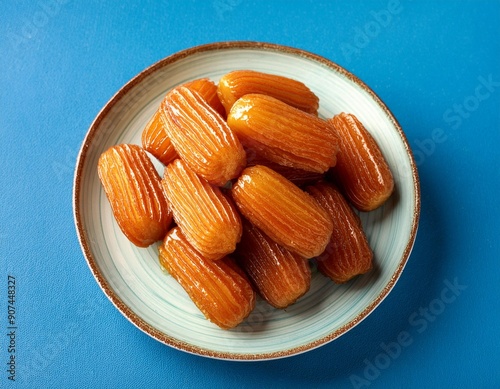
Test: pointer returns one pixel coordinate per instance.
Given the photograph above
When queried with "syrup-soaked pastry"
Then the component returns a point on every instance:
(207, 89)
(361, 169)
(283, 211)
(298, 176)
(201, 137)
(280, 276)
(207, 217)
(155, 137)
(284, 134)
(239, 83)
(348, 254)
(133, 188)
(220, 289)
(155, 140)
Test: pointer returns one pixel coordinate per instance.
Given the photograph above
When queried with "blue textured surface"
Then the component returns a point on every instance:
(435, 64)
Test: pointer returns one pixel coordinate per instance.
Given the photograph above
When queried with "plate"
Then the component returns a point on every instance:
(152, 300)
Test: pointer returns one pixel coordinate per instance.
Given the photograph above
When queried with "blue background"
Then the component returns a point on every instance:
(435, 64)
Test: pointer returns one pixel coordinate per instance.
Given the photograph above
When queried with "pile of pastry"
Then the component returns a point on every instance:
(255, 186)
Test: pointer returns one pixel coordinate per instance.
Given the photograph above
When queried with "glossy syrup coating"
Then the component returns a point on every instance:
(284, 212)
(361, 169)
(207, 89)
(207, 217)
(284, 134)
(348, 253)
(155, 140)
(239, 83)
(299, 177)
(155, 136)
(201, 137)
(133, 188)
(280, 276)
(219, 289)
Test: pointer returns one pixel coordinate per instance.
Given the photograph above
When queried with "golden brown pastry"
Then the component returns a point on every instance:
(207, 89)
(156, 141)
(348, 254)
(133, 188)
(284, 212)
(218, 288)
(280, 276)
(155, 136)
(298, 176)
(201, 137)
(239, 83)
(284, 134)
(361, 169)
(207, 217)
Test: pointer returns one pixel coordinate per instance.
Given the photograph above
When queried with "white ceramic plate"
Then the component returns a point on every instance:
(132, 278)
